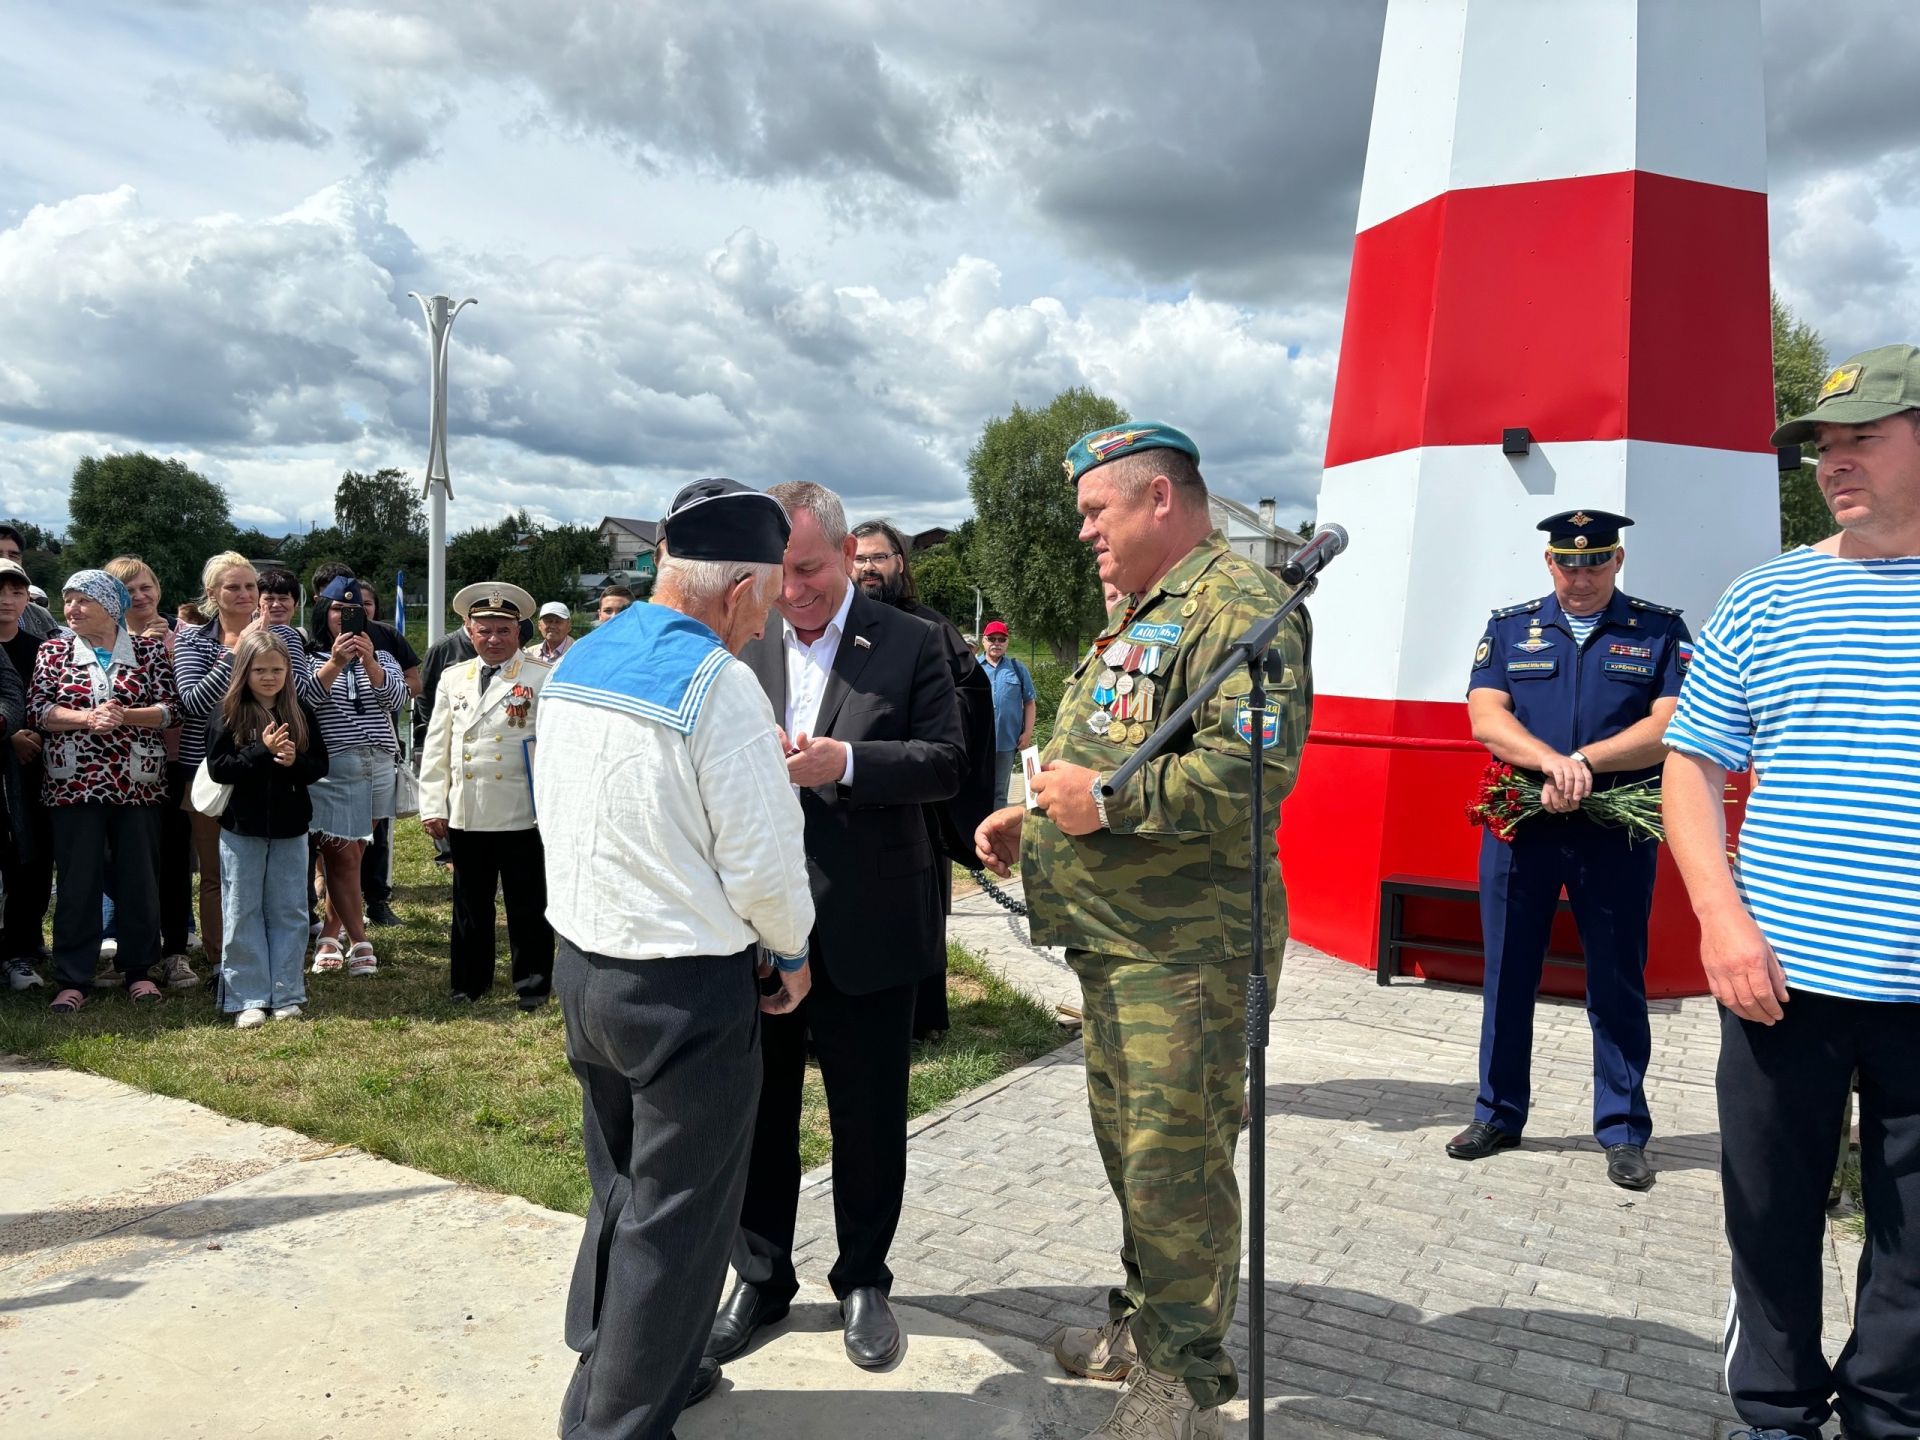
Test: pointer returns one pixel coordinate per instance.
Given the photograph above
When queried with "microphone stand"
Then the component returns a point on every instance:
(1251, 651)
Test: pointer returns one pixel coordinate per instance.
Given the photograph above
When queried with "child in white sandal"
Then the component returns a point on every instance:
(266, 744)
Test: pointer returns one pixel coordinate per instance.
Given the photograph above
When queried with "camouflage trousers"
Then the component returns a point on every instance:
(1166, 1077)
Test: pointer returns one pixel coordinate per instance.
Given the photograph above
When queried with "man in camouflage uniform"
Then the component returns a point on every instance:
(1149, 892)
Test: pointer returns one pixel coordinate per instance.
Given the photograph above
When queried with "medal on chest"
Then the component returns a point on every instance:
(1533, 644)
(519, 705)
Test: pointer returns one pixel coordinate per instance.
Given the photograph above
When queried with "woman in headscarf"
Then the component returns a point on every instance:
(102, 697)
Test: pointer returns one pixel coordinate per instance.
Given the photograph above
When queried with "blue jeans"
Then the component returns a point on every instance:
(263, 909)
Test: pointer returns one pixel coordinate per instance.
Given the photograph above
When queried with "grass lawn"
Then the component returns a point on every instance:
(479, 1093)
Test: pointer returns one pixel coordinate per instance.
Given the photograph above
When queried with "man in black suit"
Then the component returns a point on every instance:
(880, 570)
(865, 701)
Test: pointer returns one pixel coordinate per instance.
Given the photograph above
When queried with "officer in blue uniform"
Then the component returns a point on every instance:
(1577, 688)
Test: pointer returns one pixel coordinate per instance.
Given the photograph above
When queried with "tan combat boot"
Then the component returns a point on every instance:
(1159, 1407)
(1105, 1353)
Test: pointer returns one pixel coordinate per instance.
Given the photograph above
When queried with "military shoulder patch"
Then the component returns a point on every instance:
(1656, 609)
(1841, 382)
(1269, 724)
(1520, 609)
(1683, 656)
(1483, 654)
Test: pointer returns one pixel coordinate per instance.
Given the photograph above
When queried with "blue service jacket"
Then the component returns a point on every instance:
(1570, 695)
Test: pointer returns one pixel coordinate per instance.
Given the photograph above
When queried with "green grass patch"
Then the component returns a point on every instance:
(479, 1093)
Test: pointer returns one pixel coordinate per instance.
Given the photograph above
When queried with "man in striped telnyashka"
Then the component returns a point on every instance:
(1809, 675)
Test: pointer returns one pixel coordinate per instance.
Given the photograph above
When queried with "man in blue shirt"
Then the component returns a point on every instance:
(1577, 688)
(1013, 695)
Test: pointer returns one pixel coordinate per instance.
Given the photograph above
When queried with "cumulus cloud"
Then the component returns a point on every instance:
(755, 89)
(282, 351)
(394, 125)
(250, 102)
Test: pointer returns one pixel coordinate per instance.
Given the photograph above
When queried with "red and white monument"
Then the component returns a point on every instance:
(1563, 229)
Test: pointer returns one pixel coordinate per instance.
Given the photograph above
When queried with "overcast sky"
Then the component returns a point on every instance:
(775, 239)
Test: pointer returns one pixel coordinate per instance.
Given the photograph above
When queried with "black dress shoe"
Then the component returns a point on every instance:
(379, 912)
(704, 1379)
(873, 1335)
(1480, 1140)
(1627, 1167)
(742, 1313)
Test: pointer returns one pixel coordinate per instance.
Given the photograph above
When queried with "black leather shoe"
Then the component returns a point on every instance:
(379, 912)
(1627, 1167)
(704, 1379)
(742, 1313)
(873, 1335)
(1479, 1140)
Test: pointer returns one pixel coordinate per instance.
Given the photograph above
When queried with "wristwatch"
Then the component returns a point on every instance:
(1576, 755)
(1099, 803)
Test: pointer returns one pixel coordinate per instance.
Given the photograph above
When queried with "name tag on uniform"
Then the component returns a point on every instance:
(1143, 633)
(1532, 667)
(1633, 669)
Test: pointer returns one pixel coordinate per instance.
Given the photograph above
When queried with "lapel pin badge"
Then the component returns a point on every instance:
(862, 642)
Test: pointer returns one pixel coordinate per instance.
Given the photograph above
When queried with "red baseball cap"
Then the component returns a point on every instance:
(995, 627)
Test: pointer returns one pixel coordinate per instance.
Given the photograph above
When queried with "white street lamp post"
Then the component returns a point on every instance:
(439, 312)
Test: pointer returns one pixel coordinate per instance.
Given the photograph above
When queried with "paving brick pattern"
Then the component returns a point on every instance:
(1407, 1294)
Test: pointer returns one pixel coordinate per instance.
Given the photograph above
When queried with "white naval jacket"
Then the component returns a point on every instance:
(475, 764)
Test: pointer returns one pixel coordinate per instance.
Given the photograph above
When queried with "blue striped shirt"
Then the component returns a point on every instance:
(203, 673)
(1809, 673)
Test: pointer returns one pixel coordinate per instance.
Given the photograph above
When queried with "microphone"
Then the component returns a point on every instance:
(1317, 555)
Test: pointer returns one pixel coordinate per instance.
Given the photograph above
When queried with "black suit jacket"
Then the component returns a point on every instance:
(954, 821)
(872, 865)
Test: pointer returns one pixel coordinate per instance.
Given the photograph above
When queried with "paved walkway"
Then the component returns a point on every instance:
(1407, 1294)
(166, 1272)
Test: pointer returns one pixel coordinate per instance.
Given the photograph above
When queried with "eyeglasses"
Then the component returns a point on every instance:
(874, 562)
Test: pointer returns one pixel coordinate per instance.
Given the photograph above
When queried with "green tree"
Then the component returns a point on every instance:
(1027, 551)
(547, 562)
(943, 583)
(40, 556)
(383, 503)
(1799, 365)
(172, 517)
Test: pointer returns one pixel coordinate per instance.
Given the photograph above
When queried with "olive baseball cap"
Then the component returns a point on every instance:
(1871, 386)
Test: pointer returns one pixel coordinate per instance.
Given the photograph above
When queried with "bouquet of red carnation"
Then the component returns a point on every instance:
(1508, 796)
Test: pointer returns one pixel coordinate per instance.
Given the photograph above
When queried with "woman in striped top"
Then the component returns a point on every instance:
(365, 690)
(203, 672)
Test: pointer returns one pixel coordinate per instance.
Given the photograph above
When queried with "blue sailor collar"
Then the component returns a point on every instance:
(649, 660)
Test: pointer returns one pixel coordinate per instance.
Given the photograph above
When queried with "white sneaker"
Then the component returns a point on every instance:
(21, 975)
(248, 1019)
(287, 1012)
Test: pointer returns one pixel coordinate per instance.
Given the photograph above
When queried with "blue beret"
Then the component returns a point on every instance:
(1097, 447)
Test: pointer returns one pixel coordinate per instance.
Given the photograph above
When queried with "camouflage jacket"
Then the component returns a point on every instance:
(1167, 880)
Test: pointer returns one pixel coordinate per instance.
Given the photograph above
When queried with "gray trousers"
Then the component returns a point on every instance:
(668, 1058)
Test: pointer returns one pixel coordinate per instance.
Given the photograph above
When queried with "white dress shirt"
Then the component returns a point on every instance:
(808, 667)
(660, 844)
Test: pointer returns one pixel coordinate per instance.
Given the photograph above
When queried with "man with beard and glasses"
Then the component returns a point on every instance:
(880, 568)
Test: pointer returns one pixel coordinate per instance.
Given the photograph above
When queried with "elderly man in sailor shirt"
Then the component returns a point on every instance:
(677, 879)
(476, 793)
